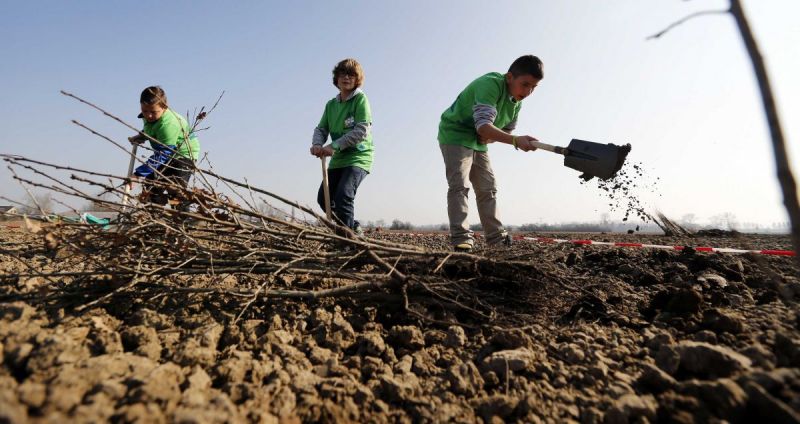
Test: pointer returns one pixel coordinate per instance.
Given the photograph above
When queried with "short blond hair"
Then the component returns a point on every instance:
(348, 66)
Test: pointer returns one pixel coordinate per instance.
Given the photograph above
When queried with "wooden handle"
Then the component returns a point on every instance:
(133, 159)
(550, 148)
(130, 172)
(325, 188)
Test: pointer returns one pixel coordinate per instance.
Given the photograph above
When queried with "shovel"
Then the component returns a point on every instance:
(593, 159)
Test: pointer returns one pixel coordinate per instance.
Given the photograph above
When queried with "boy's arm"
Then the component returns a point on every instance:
(320, 136)
(359, 132)
(522, 142)
(321, 131)
(483, 115)
(484, 112)
(508, 128)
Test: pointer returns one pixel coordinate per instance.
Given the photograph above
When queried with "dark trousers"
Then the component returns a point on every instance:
(343, 184)
(177, 171)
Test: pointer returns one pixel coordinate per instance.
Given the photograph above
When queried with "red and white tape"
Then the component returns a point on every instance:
(775, 252)
(659, 246)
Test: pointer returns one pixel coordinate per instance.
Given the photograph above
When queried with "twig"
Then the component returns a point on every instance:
(681, 21)
(266, 281)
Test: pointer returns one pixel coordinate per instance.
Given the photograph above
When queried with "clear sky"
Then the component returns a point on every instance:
(688, 103)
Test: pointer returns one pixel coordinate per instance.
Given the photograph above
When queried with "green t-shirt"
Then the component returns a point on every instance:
(457, 125)
(341, 117)
(170, 130)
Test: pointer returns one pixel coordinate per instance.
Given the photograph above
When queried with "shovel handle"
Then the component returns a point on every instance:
(550, 148)
(325, 189)
(126, 197)
(133, 159)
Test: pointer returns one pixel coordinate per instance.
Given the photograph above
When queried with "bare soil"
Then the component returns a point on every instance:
(622, 335)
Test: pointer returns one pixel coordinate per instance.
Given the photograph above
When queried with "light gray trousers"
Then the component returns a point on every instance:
(462, 166)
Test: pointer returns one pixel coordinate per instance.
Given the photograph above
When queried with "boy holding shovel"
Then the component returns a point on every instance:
(347, 119)
(484, 112)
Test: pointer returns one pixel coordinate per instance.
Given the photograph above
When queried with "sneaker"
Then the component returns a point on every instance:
(505, 242)
(463, 247)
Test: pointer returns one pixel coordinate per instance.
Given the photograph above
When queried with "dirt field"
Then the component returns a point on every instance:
(615, 335)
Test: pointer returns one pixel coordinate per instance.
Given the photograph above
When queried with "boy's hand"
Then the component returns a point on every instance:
(326, 151)
(316, 149)
(525, 143)
(137, 139)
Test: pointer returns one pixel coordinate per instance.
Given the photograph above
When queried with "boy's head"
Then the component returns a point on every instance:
(154, 103)
(349, 73)
(523, 76)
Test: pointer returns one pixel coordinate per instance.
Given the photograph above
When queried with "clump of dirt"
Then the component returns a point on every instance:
(625, 189)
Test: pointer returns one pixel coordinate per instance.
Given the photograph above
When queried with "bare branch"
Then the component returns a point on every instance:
(681, 21)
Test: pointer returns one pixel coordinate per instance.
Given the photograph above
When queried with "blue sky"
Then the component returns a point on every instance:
(688, 102)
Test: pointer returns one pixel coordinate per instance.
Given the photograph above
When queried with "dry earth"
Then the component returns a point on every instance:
(629, 335)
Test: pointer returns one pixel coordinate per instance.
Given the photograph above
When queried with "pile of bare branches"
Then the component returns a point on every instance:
(151, 250)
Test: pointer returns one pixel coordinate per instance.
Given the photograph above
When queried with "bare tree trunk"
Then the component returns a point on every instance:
(784, 171)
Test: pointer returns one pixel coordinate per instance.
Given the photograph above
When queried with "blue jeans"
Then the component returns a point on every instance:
(343, 184)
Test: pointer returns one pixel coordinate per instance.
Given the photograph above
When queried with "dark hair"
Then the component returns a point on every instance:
(348, 67)
(154, 95)
(527, 65)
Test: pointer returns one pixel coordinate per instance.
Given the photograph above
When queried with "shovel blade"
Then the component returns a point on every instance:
(595, 159)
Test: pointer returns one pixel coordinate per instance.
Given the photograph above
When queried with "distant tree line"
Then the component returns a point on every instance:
(722, 221)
